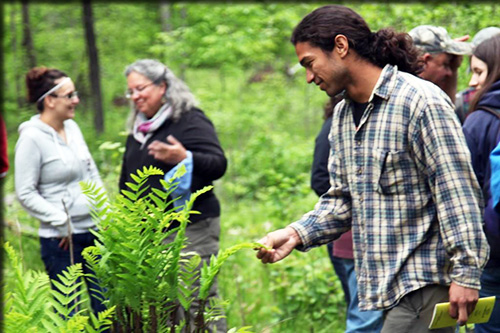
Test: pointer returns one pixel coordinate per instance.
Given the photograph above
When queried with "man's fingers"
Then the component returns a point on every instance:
(262, 251)
(453, 310)
(470, 307)
(462, 38)
(462, 309)
(462, 302)
(265, 255)
(462, 314)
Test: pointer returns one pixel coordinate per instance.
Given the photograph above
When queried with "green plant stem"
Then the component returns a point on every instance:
(200, 318)
(137, 322)
(188, 320)
(129, 326)
(154, 318)
(173, 318)
(117, 324)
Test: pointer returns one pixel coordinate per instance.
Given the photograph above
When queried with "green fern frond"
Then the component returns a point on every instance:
(91, 255)
(180, 327)
(11, 253)
(208, 273)
(77, 323)
(215, 310)
(188, 275)
(53, 322)
(134, 187)
(68, 292)
(160, 194)
(194, 196)
(100, 323)
(181, 171)
(18, 322)
(31, 289)
(130, 258)
(150, 171)
(244, 329)
(131, 195)
(98, 200)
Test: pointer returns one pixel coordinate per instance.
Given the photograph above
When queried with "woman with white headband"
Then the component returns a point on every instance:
(51, 158)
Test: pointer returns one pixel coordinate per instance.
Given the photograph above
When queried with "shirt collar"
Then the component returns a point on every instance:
(386, 83)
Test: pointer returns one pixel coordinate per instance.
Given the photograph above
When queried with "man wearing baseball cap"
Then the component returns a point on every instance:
(441, 56)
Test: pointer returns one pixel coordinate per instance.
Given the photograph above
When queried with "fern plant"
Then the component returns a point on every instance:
(148, 280)
(32, 306)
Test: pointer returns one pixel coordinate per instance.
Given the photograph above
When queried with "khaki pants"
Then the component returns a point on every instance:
(203, 238)
(413, 314)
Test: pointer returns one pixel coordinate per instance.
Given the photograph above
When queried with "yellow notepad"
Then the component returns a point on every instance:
(481, 314)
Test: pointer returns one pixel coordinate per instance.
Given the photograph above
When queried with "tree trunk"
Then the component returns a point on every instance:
(183, 67)
(17, 77)
(165, 16)
(27, 39)
(88, 21)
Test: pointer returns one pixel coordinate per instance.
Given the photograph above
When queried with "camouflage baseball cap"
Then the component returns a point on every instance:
(432, 39)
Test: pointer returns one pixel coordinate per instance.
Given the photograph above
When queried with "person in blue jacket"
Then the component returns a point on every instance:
(482, 132)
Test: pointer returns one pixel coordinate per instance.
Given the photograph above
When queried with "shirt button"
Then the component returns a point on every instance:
(360, 171)
(361, 198)
(358, 143)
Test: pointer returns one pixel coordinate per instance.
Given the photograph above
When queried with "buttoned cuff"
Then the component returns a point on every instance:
(303, 234)
(467, 276)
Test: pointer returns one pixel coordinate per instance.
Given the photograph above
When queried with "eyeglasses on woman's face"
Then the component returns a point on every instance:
(71, 95)
(130, 92)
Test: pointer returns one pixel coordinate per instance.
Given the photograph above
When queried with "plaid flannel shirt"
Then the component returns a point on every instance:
(403, 181)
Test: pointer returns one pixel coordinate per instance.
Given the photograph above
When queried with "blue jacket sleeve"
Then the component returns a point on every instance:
(495, 177)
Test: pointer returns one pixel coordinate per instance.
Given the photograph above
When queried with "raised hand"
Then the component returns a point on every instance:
(171, 152)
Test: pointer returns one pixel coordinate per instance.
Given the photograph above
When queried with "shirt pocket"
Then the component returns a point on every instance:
(396, 172)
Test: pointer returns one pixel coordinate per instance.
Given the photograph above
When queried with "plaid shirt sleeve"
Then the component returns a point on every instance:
(441, 152)
(332, 214)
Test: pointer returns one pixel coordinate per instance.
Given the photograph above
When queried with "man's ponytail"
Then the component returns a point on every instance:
(390, 47)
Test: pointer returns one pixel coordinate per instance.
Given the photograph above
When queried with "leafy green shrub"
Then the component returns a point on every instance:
(150, 281)
(32, 306)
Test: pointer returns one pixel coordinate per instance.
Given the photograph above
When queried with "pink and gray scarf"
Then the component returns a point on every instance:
(144, 128)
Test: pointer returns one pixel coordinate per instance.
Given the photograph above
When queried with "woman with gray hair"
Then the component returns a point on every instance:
(169, 131)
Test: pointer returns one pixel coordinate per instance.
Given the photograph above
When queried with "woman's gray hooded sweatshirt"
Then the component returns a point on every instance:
(47, 170)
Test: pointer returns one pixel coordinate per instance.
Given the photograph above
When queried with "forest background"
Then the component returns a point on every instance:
(238, 61)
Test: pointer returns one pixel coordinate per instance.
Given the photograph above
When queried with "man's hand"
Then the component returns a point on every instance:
(172, 152)
(463, 38)
(462, 302)
(281, 242)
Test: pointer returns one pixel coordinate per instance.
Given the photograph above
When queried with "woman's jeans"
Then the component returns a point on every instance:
(490, 286)
(357, 321)
(56, 260)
